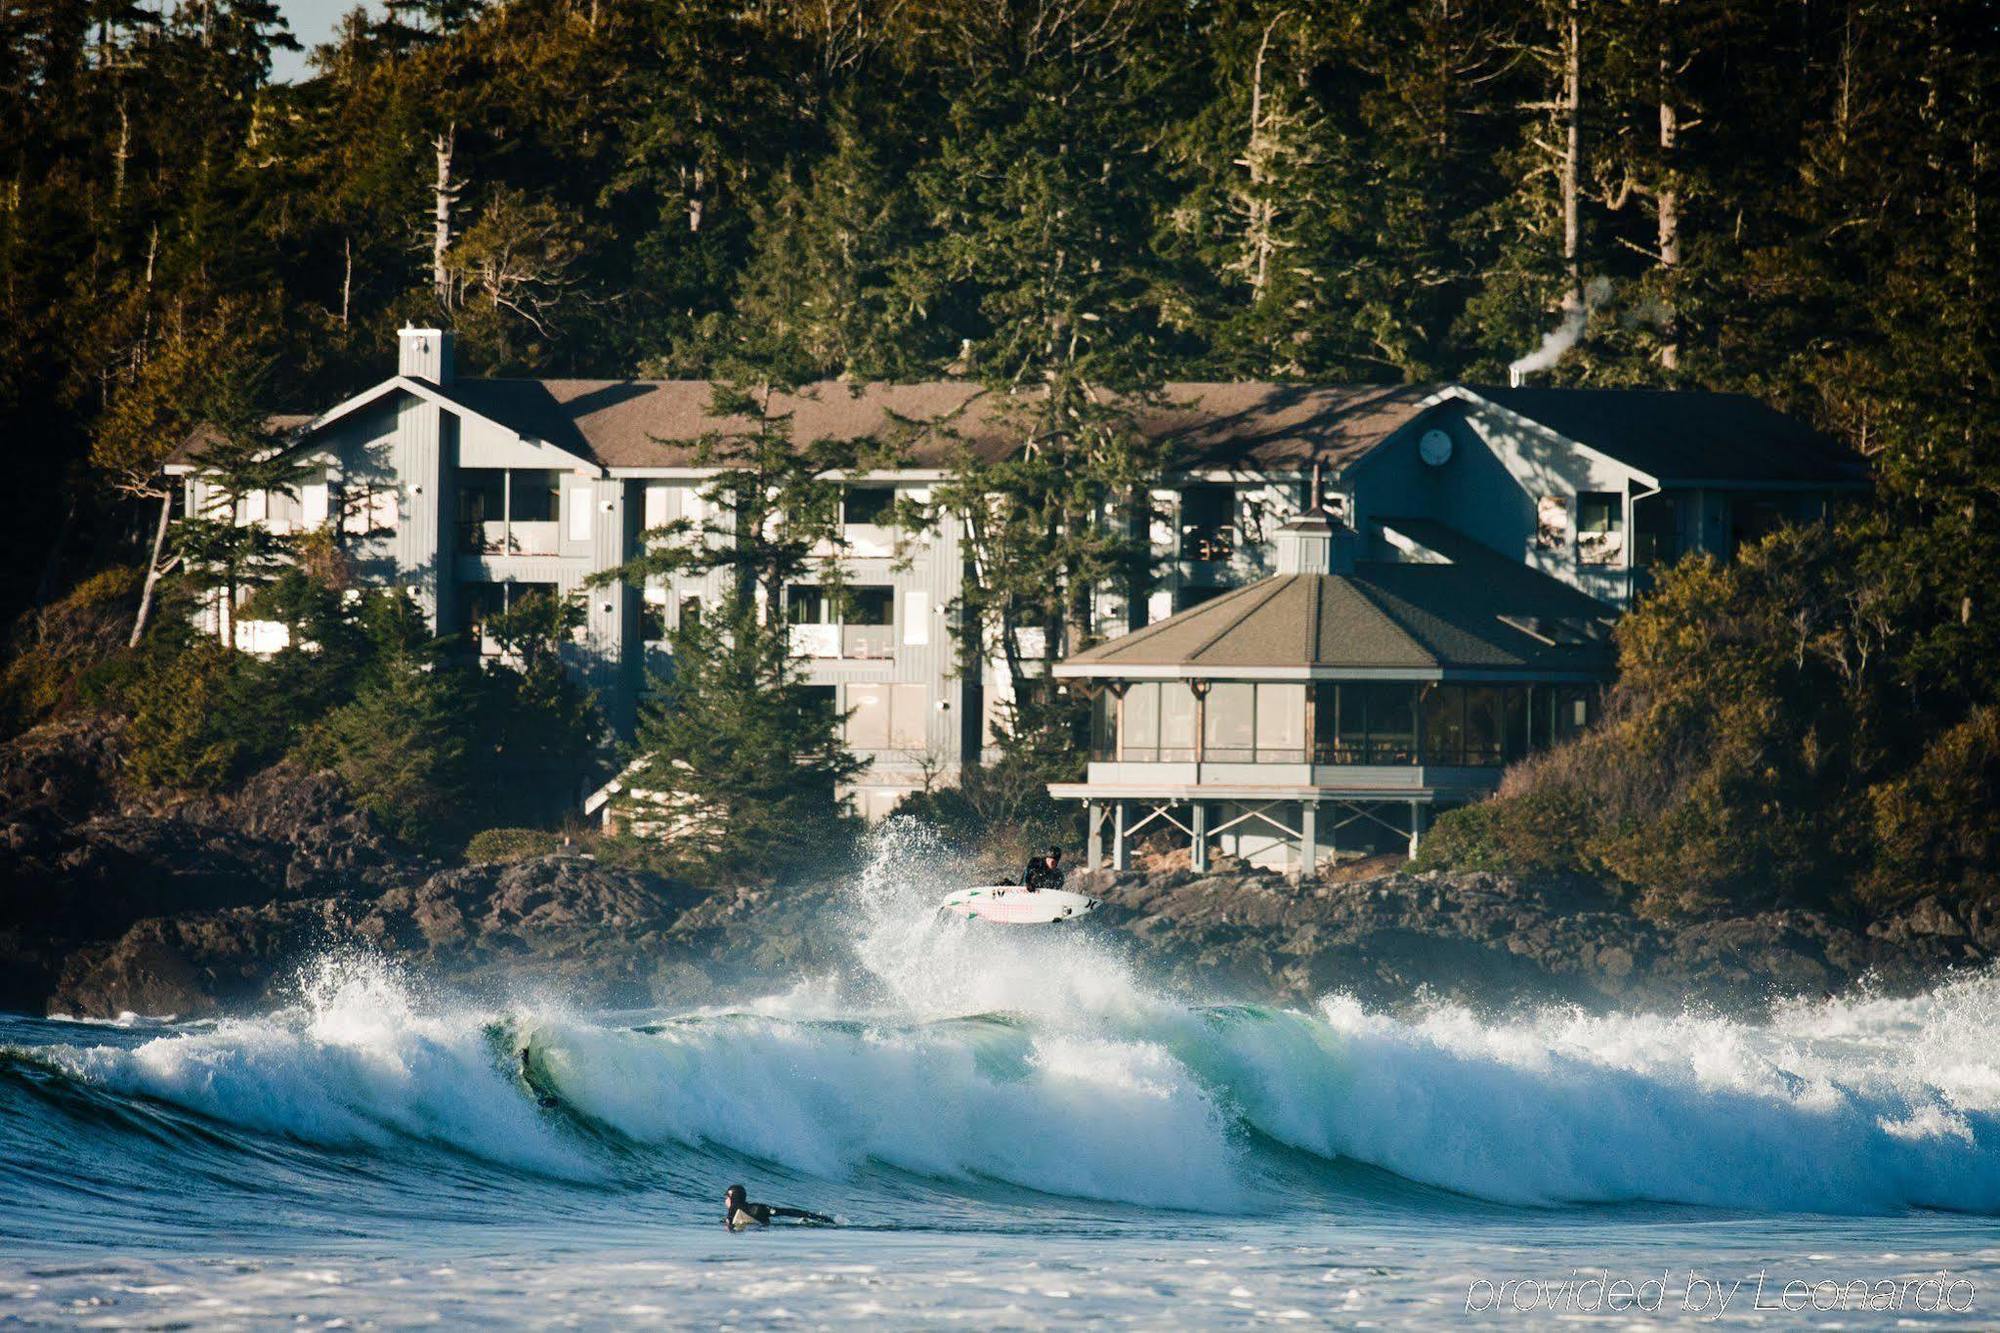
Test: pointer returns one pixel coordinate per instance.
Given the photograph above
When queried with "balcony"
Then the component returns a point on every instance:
(844, 642)
(500, 537)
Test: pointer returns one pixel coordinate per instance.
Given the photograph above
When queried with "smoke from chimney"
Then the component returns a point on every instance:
(1557, 341)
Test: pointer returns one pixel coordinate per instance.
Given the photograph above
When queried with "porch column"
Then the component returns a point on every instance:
(1121, 855)
(1308, 838)
(1417, 825)
(1093, 846)
(1198, 854)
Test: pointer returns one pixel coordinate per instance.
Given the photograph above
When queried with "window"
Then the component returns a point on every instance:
(1104, 726)
(652, 622)
(1365, 723)
(1208, 522)
(367, 507)
(1551, 523)
(1158, 724)
(533, 498)
(909, 717)
(1229, 726)
(1142, 723)
(868, 504)
(1192, 597)
(868, 717)
(1177, 719)
(888, 717)
(1281, 724)
(1600, 528)
(871, 606)
(507, 511)
(805, 604)
(1657, 534)
(484, 601)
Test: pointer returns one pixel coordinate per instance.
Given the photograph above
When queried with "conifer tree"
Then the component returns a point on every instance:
(738, 757)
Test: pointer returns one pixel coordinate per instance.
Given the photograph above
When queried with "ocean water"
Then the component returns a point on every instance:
(1016, 1128)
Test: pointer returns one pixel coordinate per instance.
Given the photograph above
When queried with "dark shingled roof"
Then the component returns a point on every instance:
(659, 423)
(1686, 436)
(278, 423)
(1481, 614)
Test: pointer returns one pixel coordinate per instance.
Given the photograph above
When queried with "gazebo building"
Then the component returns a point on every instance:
(1330, 708)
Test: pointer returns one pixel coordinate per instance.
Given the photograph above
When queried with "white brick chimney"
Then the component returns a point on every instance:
(424, 354)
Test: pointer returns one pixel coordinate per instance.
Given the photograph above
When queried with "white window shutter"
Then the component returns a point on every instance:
(916, 616)
(579, 515)
(312, 503)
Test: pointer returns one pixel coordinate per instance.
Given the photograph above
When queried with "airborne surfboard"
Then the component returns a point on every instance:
(1011, 905)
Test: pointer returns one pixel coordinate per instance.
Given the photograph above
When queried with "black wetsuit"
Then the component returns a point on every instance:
(748, 1214)
(1041, 875)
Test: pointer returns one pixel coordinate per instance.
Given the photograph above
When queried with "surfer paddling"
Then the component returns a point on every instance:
(739, 1214)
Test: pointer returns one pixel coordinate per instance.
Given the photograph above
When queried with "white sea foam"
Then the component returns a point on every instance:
(1041, 1058)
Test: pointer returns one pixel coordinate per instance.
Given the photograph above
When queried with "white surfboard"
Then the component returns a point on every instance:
(1012, 905)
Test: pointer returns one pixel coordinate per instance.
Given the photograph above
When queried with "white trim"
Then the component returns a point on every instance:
(430, 393)
(1508, 414)
(1501, 675)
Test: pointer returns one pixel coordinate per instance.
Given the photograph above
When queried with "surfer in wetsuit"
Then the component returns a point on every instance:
(739, 1214)
(1043, 872)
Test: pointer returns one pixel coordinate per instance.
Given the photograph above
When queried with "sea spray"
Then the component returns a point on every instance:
(960, 1057)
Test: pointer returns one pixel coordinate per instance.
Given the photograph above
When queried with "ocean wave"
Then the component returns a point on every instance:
(1042, 1062)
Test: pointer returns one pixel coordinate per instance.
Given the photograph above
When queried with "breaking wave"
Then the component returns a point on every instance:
(1025, 1069)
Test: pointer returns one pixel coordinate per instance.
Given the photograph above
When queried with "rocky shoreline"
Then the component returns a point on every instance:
(110, 904)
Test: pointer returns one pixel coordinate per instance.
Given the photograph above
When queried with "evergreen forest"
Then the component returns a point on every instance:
(1791, 198)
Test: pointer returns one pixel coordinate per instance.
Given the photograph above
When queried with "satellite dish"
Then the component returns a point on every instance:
(1434, 448)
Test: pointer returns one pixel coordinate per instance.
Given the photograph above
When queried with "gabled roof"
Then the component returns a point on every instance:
(1481, 613)
(1684, 437)
(661, 423)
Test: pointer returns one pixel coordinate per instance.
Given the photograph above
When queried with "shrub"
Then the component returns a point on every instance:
(504, 845)
(56, 647)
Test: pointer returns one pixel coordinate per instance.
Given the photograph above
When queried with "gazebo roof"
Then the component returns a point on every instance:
(1484, 615)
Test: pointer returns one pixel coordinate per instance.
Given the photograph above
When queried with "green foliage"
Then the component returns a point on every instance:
(507, 845)
(1064, 203)
(403, 748)
(62, 644)
(737, 759)
(1768, 742)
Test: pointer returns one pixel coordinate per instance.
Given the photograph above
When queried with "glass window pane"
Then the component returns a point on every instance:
(1281, 724)
(1515, 702)
(534, 498)
(871, 606)
(1104, 726)
(1229, 733)
(1392, 722)
(1176, 722)
(868, 504)
(1444, 724)
(1483, 722)
(868, 717)
(909, 717)
(805, 605)
(1142, 723)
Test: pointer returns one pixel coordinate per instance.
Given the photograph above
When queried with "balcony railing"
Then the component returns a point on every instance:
(859, 642)
(867, 641)
(498, 537)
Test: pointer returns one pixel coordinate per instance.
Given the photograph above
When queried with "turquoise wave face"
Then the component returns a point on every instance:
(964, 1075)
(366, 1094)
